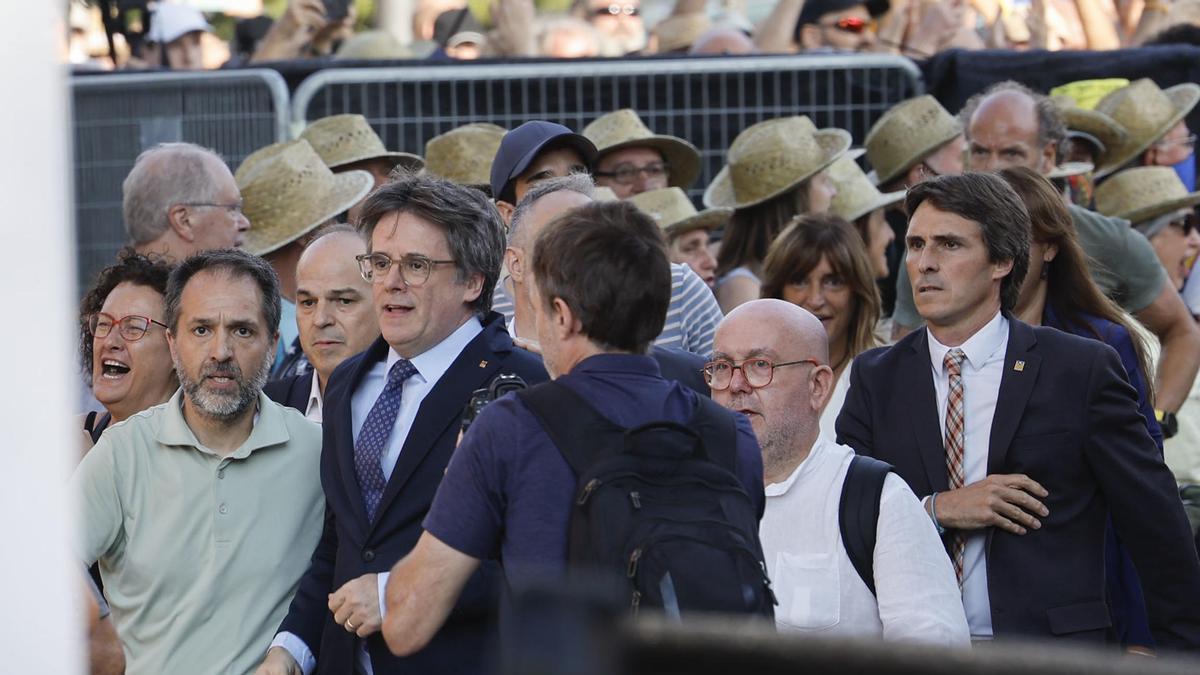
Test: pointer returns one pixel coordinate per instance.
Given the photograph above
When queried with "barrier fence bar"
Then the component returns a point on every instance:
(118, 116)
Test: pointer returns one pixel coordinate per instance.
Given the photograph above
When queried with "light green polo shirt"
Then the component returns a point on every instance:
(200, 554)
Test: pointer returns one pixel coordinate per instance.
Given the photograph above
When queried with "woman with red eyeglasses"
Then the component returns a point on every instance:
(123, 342)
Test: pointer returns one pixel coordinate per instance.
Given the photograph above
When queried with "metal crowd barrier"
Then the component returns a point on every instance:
(705, 100)
(116, 117)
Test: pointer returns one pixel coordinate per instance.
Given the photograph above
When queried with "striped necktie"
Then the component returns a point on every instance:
(956, 445)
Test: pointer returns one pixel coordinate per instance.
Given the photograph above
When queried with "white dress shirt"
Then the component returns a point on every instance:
(430, 365)
(819, 590)
(312, 411)
(981, 373)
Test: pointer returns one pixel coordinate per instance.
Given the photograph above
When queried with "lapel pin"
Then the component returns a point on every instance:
(483, 364)
(1019, 366)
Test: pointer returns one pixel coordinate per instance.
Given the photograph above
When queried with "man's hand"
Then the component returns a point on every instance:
(278, 662)
(1007, 501)
(355, 605)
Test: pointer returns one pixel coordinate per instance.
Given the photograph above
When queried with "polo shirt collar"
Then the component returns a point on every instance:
(269, 428)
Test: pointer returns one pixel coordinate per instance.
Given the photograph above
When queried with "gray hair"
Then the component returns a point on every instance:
(575, 182)
(473, 227)
(234, 262)
(164, 176)
(1051, 128)
(332, 228)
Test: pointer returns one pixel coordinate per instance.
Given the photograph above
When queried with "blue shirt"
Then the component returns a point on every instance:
(508, 491)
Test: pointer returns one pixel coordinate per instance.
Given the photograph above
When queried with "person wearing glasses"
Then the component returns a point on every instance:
(1155, 201)
(619, 23)
(391, 419)
(631, 159)
(123, 343)
(820, 263)
(181, 199)
(838, 25)
(771, 363)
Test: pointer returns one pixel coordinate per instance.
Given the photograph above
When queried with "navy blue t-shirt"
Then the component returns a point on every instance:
(508, 491)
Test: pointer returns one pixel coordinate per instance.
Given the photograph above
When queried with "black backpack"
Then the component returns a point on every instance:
(858, 513)
(660, 506)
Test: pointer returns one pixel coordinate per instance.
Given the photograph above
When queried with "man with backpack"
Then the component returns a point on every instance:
(610, 467)
(848, 546)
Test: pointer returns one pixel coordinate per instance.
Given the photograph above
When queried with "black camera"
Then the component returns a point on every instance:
(501, 385)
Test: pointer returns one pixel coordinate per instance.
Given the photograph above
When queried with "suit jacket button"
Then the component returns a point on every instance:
(368, 555)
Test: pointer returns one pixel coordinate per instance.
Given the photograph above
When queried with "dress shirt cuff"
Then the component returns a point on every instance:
(299, 651)
(383, 577)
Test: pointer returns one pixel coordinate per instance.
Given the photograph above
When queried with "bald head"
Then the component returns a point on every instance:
(1011, 125)
(723, 40)
(779, 325)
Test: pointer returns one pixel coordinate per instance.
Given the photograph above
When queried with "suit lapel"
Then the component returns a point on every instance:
(444, 404)
(922, 412)
(345, 432)
(1016, 386)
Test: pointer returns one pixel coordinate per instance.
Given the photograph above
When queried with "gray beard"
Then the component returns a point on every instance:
(225, 407)
(779, 449)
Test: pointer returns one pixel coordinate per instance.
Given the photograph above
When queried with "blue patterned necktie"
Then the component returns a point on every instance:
(373, 438)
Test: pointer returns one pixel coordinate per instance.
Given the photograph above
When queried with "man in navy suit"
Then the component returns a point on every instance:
(1019, 440)
(391, 420)
(334, 315)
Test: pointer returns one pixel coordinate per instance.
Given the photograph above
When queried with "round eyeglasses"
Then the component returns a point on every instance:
(131, 327)
(414, 269)
(626, 174)
(758, 371)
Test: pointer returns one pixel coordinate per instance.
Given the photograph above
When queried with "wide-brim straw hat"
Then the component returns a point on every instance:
(770, 158)
(624, 129)
(680, 31)
(907, 134)
(1143, 193)
(464, 155)
(1091, 124)
(675, 213)
(287, 191)
(856, 195)
(1147, 113)
(346, 139)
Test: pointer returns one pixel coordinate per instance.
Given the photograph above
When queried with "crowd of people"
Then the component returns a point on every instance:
(929, 389)
(176, 35)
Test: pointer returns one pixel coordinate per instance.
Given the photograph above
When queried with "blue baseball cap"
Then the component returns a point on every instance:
(522, 145)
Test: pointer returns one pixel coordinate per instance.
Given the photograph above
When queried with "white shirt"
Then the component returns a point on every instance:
(430, 365)
(981, 373)
(833, 408)
(819, 590)
(312, 411)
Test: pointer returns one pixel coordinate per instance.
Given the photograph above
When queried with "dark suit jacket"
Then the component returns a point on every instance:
(682, 366)
(1068, 418)
(351, 546)
(291, 391)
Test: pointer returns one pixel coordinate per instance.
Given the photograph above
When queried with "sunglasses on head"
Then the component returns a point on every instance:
(850, 24)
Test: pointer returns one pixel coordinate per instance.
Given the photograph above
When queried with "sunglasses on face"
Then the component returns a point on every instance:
(1187, 223)
(850, 24)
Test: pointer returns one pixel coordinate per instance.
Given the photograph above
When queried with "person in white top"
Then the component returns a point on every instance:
(775, 357)
(821, 264)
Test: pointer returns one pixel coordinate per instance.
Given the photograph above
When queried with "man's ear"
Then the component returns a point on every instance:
(821, 386)
(506, 211)
(514, 262)
(171, 343)
(178, 217)
(1049, 157)
(1002, 269)
(564, 320)
(474, 286)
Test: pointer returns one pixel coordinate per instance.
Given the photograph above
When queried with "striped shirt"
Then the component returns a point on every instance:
(692, 316)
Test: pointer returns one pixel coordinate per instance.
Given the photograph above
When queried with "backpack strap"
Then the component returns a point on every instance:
(858, 513)
(579, 432)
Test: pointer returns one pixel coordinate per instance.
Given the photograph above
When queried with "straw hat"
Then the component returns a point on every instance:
(856, 196)
(372, 45)
(346, 139)
(288, 191)
(675, 213)
(770, 158)
(1143, 193)
(1147, 113)
(907, 134)
(1092, 125)
(679, 31)
(464, 154)
(624, 129)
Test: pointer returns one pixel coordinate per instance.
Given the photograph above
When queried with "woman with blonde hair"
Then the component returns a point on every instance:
(820, 263)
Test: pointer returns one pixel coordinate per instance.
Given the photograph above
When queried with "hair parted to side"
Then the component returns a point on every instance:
(164, 176)
(235, 263)
(1070, 292)
(1051, 128)
(131, 267)
(801, 247)
(575, 182)
(473, 227)
(607, 261)
(998, 211)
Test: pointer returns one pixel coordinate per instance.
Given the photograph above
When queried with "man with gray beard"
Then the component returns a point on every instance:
(202, 511)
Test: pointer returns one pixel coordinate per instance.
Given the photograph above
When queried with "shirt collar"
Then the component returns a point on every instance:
(978, 348)
(806, 466)
(314, 396)
(269, 428)
(432, 363)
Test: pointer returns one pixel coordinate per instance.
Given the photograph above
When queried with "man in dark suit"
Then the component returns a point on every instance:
(391, 420)
(334, 315)
(1020, 440)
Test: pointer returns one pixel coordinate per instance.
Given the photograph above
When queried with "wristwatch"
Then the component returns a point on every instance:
(1168, 422)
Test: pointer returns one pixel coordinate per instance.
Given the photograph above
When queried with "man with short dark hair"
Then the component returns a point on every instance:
(838, 25)
(391, 420)
(203, 511)
(1021, 440)
(533, 152)
(509, 491)
(181, 199)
